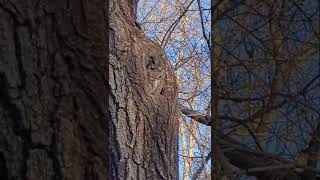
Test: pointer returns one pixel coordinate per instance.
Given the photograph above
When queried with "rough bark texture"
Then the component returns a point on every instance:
(53, 90)
(143, 102)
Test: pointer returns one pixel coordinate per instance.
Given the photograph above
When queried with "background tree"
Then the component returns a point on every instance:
(52, 90)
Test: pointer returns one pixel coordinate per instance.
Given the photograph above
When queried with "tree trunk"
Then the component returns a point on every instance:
(143, 102)
(53, 90)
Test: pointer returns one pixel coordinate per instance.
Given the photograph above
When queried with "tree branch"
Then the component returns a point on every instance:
(199, 170)
(199, 117)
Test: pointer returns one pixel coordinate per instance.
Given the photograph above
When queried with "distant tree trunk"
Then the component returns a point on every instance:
(143, 102)
(53, 85)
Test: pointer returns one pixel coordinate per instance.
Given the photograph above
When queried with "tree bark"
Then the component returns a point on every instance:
(143, 102)
(53, 90)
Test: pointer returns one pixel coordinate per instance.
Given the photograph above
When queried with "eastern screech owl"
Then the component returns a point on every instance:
(155, 75)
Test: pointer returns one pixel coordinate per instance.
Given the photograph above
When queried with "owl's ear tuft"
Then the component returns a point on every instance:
(151, 63)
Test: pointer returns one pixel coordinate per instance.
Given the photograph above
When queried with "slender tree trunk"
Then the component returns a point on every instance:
(53, 90)
(143, 102)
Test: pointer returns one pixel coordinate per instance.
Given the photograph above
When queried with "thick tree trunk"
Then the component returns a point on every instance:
(143, 102)
(53, 90)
